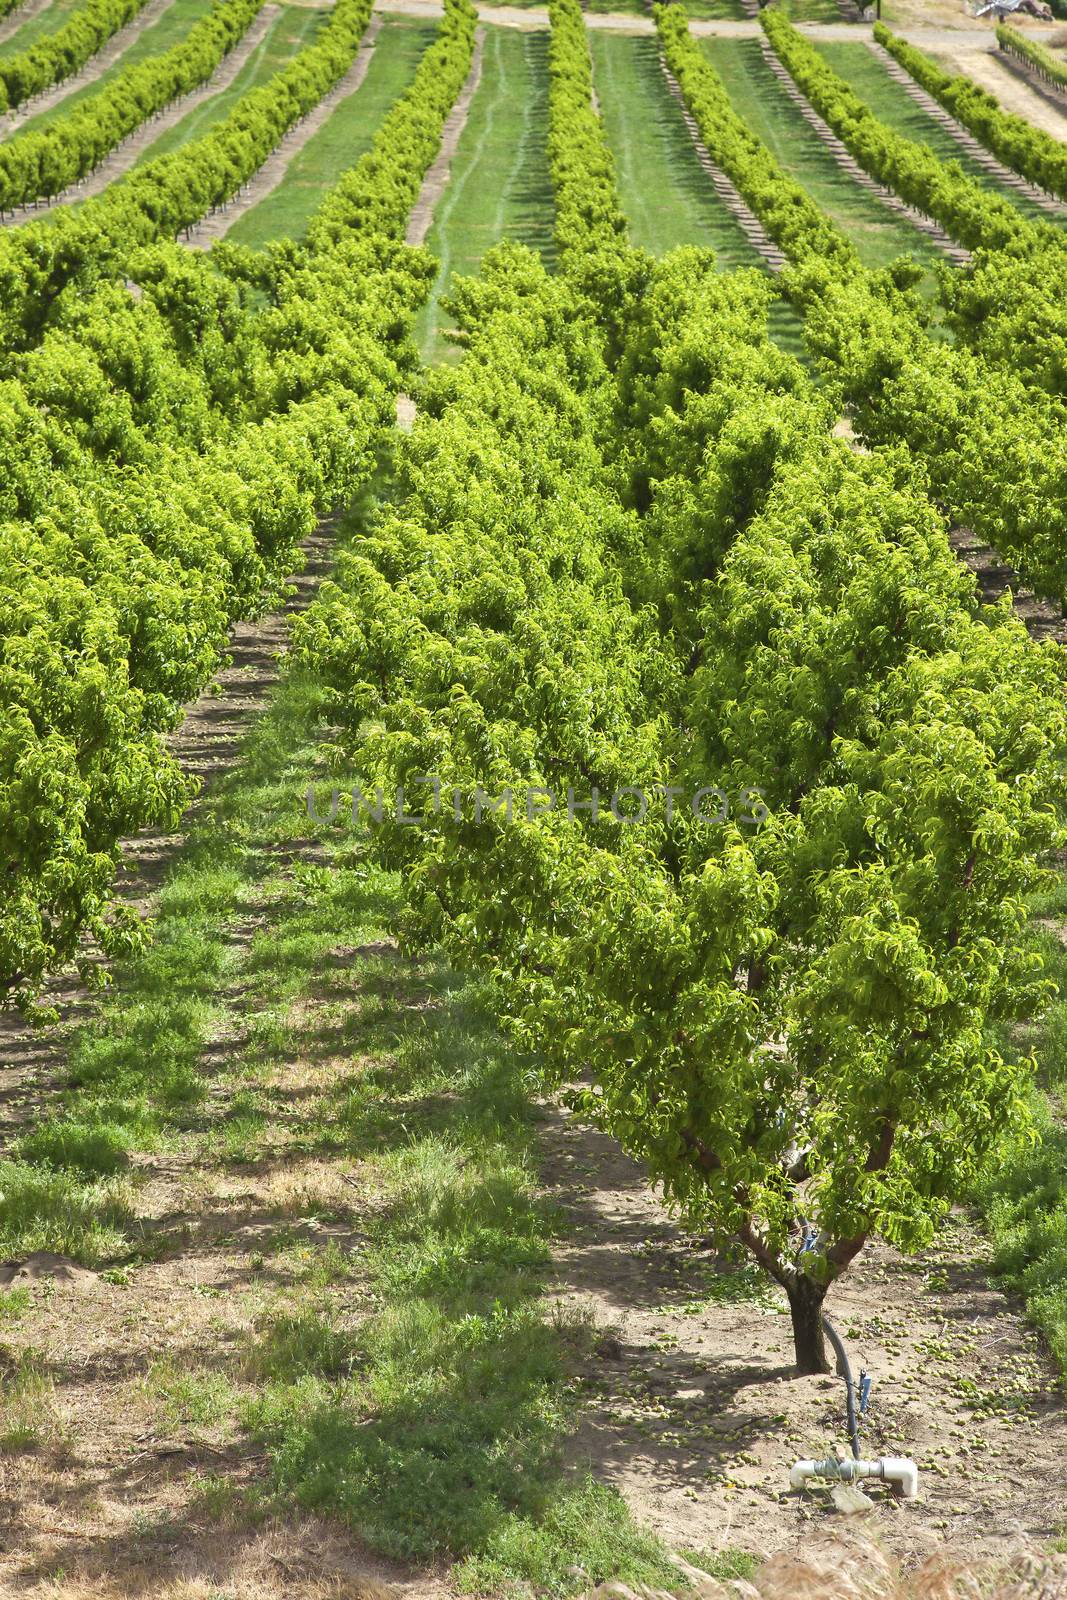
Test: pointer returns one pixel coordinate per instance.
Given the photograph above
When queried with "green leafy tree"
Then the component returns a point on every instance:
(787, 1023)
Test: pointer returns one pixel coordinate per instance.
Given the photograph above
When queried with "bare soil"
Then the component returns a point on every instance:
(691, 1408)
(1014, 95)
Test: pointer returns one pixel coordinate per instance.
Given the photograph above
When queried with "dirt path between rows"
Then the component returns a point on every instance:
(96, 65)
(435, 182)
(986, 69)
(126, 155)
(114, 1502)
(206, 743)
(217, 224)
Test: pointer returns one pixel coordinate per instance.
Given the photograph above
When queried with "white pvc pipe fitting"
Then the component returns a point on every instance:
(899, 1470)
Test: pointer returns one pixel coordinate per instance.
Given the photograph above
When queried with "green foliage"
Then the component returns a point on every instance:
(1029, 150)
(61, 54)
(1023, 1198)
(967, 210)
(45, 162)
(992, 447)
(1033, 52)
(377, 194)
(661, 569)
(586, 1536)
(174, 191)
(786, 210)
(175, 448)
(588, 218)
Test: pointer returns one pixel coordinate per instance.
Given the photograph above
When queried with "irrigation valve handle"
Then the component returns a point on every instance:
(899, 1470)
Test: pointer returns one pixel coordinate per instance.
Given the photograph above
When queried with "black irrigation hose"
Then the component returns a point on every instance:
(845, 1369)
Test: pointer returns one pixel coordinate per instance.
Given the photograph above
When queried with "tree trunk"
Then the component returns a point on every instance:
(805, 1307)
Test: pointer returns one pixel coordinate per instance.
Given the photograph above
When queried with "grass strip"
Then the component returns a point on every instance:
(295, 28)
(666, 194)
(759, 98)
(500, 186)
(55, 15)
(340, 143)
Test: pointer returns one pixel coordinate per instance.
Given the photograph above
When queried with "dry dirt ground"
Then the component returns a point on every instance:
(1013, 94)
(691, 1410)
(687, 1402)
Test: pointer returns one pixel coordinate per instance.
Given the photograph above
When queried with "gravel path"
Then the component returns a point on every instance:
(219, 222)
(96, 65)
(126, 155)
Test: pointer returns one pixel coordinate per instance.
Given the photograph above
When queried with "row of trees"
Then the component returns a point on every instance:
(61, 54)
(44, 162)
(1034, 154)
(627, 560)
(161, 197)
(789, 214)
(1009, 306)
(377, 194)
(991, 441)
(169, 449)
(1050, 67)
(971, 213)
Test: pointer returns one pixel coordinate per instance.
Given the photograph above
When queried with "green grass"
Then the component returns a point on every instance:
(433, 1426)
(171, 28)
(892, 104)
(296, 27)
(632, 8)
(134, 1072)
(187, 1398)
(760, 99)
(811, 10)
(344, 138)
(666, 195)
(715, 10)
(29, 1417)
(500, 185)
